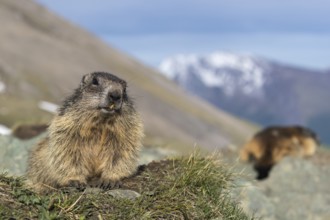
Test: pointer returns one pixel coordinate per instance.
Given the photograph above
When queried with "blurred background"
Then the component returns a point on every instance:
(238, 65)
(262, 61)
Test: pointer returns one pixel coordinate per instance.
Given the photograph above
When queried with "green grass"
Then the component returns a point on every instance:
(186, 188)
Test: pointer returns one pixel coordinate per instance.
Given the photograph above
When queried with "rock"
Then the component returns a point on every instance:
(123, 194)
(14, 153)
(254, 201)
(93, 190)
(296, 189)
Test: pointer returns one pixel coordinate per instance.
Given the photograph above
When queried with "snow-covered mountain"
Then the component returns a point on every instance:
(230, 72)
(256, 88)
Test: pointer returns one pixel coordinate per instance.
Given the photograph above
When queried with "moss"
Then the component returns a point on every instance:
(186, 188)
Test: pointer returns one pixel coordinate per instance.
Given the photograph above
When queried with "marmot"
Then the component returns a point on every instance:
(270, 145)
(29, 131)
(94, 140)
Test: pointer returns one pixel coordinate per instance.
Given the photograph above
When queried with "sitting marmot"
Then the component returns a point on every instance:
(94, 139)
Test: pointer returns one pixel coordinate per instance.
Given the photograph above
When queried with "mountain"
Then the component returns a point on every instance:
(43, 57)
(256, 88)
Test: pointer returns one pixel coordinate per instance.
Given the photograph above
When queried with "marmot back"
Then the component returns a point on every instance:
(93, 140)
(270, 145)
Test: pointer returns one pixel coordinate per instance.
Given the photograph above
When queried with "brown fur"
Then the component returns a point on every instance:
(29, 131)
(270, 145)
(84, 146)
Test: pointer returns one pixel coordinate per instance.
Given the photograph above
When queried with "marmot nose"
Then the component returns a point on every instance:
(114, 96)
(111, 101)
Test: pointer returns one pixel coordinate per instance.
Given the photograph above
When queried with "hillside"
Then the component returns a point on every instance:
(255, 88)
(42, 58)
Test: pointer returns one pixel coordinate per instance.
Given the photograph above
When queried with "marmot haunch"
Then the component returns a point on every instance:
(94, 140)
(270, 145)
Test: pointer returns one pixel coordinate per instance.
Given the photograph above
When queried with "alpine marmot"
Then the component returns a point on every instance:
(94, 140)
(270, 145)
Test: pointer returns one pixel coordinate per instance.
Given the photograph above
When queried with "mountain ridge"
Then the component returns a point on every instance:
(257, 89)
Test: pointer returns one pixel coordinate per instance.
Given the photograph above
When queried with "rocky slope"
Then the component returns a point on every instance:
(42, 58)
(296, 188)
(255, 88)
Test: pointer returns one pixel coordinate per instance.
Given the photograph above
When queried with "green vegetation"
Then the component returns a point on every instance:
(186, 188)
(20, 111)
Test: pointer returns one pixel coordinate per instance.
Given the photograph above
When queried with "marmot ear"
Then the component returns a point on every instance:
(84, 79)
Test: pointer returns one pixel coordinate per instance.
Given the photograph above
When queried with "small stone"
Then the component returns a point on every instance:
(123, 194)
(93, 190)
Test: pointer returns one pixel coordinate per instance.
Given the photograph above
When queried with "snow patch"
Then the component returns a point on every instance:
(48, 106)
(2, 87)
(4, 130)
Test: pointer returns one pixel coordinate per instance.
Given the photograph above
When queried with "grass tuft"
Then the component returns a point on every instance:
(183, 188)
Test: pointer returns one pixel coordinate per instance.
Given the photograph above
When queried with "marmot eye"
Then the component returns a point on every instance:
(95, 82)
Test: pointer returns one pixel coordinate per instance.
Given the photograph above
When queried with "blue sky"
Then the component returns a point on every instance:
(290, 31)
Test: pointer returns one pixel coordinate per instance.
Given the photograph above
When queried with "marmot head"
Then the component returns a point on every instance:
(103, 91)
(99, 91)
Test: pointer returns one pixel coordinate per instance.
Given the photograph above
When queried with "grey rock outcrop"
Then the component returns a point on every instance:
(14, 153)
(296, 189)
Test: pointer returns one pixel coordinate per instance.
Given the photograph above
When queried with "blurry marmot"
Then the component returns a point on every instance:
(94, 139)
(270, 145)
(28, 131)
